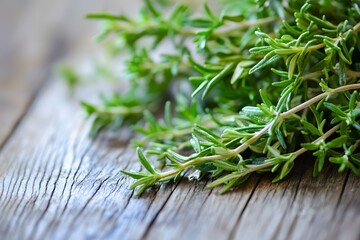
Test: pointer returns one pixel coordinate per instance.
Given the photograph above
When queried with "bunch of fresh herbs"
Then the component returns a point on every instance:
(245, 90)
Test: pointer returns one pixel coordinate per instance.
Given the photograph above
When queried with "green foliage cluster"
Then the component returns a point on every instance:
(246, 90)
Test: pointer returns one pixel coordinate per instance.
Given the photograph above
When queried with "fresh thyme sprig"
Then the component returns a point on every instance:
(269, 81)
(241, 170)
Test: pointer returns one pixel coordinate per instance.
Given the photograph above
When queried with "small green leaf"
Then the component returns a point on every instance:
(335, 109)
(283, 74)
(142, 181)
(265, 99)
(144, 161)
(342, 161)
(225, 166)
(285, 170)
(221, 150)
(150, 5)
(356, 157)
(144, 187)
(207, 135)
(135, 175)
(310, 127)
(239, 70)
(89, 108)
(195, 143)
(352, 102)
(321, 22)
(69, 75)
(291, 29)
(228, 186)
(331, 45)
(261, 50)
(150, 119)
(292, 65)
(233, 183)
(268, 59)
(199, 23)
(288, 166)
(200, 88)
(310, 146)
(287, 51)
(106, 16)
(225, 179)
(319, 164)
(337, 142)
(281, 139)
(209, 13)
(178, 156)
(283, 84)
(173, 161)
(215, 80)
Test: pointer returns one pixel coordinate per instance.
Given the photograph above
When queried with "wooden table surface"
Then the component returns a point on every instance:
(56, 183)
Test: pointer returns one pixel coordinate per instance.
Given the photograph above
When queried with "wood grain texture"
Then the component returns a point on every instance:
(34, 36)
(28, 47)
(56, 183)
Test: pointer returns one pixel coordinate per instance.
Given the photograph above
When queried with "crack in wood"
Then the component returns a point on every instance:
(232, 232)
(343, 189)
(147, 230)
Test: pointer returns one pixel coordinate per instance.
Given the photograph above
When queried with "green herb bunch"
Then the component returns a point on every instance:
(247, 89)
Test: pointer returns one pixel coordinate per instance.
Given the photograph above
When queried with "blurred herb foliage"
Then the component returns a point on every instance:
(244, 90)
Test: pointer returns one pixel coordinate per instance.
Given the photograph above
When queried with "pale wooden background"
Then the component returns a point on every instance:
(56, 183)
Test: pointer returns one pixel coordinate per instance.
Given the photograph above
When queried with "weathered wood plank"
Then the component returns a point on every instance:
(346, 218)
(62, 179)
(33, 37)
(301, 207)
(56, 183)
(195, 212)
(27, 50)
